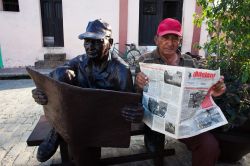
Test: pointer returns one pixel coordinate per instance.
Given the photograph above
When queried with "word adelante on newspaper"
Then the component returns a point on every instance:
(199, 74)
(177, 100)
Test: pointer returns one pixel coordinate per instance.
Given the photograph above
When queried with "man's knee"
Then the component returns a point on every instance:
(203, 143)
(208, 151)
(210, 145)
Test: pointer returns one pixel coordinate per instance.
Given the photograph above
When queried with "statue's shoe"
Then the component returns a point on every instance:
(49, 146)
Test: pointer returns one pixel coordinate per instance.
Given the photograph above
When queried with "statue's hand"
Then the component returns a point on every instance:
(63, 74)
(68, 76)
(39, 96)
(141, 80)
(133, 113)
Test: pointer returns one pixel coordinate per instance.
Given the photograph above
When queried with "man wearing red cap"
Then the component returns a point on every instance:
(204, 147)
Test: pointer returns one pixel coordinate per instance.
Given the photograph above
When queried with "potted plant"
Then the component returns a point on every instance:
(228, 24)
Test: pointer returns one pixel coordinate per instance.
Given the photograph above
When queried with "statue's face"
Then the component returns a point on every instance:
(98, 49)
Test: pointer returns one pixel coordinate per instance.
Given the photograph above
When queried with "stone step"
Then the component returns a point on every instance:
(55, 57)
(48, 64)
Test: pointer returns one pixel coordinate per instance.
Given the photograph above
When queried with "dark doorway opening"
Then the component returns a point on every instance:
(52, 23)
(151, 13)
(172, 9)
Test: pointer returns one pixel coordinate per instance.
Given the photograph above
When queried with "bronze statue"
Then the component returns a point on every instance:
(97, 69)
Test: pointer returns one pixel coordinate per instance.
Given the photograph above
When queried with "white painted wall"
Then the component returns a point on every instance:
(21, 32)
(203, 38)
(20, 35)
(76, 16)
(133, 21)
(133, 26)
(187, 24)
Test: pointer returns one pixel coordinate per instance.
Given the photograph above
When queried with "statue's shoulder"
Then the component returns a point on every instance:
(119, 66)
(118, 61)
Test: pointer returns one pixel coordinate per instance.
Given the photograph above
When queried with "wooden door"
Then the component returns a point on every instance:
(151, 13)
(52, 23)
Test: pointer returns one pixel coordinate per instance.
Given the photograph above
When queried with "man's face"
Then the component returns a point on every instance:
(97, 48)
(167, 44)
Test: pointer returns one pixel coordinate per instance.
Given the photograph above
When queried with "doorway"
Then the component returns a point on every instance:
(52, 23)
(151, 13)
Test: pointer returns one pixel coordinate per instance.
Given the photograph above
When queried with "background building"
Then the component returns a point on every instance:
(31, 28)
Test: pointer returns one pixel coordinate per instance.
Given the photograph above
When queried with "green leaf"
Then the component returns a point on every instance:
(228, 25)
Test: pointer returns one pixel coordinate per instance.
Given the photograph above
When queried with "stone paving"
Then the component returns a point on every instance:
(19, 115)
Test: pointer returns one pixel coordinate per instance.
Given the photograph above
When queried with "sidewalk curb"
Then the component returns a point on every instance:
(19, 73)
(14, 77)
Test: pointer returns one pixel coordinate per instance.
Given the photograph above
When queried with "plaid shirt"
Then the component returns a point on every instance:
(154, 57)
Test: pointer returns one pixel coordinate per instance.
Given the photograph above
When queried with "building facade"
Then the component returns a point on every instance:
(31, 28)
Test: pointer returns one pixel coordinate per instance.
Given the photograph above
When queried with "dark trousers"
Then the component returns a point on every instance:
(88, 156)
(154, 143)
(204, 147)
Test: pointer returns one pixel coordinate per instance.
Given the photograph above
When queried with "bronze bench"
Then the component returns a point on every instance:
(43, 127)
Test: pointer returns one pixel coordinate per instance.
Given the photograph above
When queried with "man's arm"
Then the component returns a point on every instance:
(125, 80)
(63, 73)
(131, 113)
(39, 96)
(67, 73)
(219, 88)
(140, 81)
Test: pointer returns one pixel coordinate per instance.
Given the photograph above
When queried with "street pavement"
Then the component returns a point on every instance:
(19, 115)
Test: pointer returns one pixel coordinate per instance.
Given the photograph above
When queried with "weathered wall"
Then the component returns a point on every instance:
(21, 32)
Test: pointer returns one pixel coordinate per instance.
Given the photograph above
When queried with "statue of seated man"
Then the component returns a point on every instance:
(98, 69)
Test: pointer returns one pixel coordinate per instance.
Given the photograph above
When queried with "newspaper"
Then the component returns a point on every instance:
(178, 102)
(85, 116)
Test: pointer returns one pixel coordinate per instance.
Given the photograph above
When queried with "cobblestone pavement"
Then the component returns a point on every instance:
(19, 115)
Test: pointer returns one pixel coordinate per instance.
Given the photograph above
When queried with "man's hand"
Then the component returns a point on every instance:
(63, 74)
(141, 80)
(69, 76)
(39, 96)
(219, 88)
(133, 114)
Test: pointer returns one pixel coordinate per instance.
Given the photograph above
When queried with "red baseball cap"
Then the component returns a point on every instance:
(169, 26)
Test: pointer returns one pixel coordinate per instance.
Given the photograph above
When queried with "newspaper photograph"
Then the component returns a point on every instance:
(178, 102)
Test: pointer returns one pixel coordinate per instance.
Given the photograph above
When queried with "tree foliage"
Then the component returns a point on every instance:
(228, 24)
